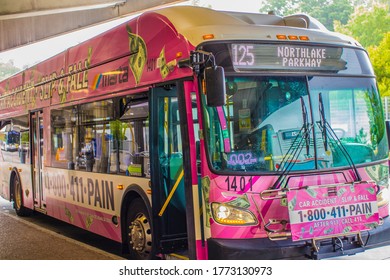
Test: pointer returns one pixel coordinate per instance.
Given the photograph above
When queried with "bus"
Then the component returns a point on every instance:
(9, 140)
(189, 133)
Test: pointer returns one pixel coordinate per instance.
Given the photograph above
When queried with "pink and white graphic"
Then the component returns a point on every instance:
(322, 211)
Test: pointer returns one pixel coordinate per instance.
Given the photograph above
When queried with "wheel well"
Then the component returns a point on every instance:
(133, 193)
(11, 185)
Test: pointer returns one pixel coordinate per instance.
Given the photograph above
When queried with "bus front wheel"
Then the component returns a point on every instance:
(139, 231)
(19, 207)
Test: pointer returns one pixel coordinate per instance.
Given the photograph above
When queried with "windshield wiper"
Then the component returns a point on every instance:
(327, 130)
(302, 138)
(305, 125)
(323, 121)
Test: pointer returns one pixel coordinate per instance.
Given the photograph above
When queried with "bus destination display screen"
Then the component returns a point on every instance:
(249, 56)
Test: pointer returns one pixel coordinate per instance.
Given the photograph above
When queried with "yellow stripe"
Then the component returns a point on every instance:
(171, 193)
(177, 256)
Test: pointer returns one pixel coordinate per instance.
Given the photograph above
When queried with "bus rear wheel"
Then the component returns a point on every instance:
(139, 231)
(18, 198)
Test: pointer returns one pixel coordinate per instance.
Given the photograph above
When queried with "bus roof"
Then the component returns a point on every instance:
(195, 22)
(145, 51)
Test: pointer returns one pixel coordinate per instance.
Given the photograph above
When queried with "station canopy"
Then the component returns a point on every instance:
(24, 22)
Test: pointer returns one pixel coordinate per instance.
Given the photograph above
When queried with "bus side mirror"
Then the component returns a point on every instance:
(215, 86)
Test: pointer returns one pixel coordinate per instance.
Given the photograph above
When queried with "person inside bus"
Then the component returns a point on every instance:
(89, 157)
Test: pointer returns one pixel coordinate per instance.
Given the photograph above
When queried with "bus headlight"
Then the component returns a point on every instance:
(230, 215)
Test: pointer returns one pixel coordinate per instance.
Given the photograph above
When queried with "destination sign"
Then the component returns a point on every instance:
(247, 56)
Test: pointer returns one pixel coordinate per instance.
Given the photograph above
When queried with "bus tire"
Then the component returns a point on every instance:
(19, 207)
(139, 231)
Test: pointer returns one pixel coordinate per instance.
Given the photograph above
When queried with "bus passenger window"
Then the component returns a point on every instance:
(134, 139)
(63, 133)
(81, 137)
(96, 137)
(14, 140)
(93, 137)
(21, 130)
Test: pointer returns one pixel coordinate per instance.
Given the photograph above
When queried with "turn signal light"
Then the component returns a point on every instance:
(292, 37)
(281, 37)
(208, 36)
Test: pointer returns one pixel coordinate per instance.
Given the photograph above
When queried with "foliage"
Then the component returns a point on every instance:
(7, 70)
(198, 3)
(280, 7)
(360, 138)
(24, 137)
(118, 129)
(380, 58)
(375, 115)
(371, 27)
(367, 26)
(326, 11)
(368, 23)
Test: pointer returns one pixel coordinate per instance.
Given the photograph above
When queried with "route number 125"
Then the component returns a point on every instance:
(243, 55)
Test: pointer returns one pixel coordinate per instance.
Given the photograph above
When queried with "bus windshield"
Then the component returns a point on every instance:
(308, 122)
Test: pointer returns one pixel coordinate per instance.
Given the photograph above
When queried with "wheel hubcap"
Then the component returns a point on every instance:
(18, 195)
(140, 235)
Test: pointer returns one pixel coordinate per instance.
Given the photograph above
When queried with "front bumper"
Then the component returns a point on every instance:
(265, 249)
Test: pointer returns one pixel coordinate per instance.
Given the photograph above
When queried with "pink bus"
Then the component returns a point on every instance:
(196, 134)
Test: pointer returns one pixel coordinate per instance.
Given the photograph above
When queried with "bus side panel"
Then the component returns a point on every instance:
(91, 201)
(145, 51)
(9, 101)
(38, 94)
(140, 53)
(24, 172)
(26, 180)
(85, 218)
(5, 178)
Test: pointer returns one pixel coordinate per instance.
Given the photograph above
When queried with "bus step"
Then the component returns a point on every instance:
(40, 210)
(180, 255)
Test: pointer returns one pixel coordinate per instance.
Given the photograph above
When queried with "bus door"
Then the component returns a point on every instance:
(37, 158)
(167, 173)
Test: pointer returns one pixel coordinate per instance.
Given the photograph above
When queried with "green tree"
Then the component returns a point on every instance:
(326, 11)
(7, 70)
(380, 58)
(198, 3)
(367, 26)
(280, 7)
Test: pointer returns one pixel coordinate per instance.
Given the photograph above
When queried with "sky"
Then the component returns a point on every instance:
(34, 53)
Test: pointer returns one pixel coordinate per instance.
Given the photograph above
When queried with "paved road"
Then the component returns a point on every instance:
(28, 239)
(43, 238)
